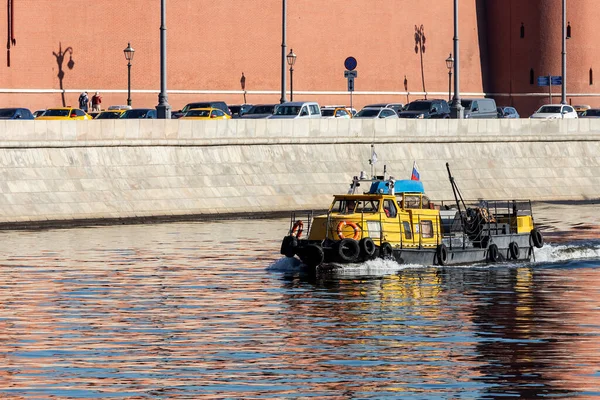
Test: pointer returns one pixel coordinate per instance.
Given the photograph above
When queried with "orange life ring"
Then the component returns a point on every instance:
(297, 229)
(351, 224)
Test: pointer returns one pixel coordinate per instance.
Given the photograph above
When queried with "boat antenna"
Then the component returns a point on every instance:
(457, 196)
(373, 160)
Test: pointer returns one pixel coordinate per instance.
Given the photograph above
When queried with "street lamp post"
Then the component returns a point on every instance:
(129, 51)
(456, 110)
(291, 60)
(449, 65)
(283, 49)
(163, 109)
(563, 96)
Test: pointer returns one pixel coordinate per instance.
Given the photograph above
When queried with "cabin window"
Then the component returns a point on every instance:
(344, 206)
(367, 206)
(407, 230)
(389, 207)
(426, 229)
(426, 202)
(353, 206)
(412, 201)
(374, 228)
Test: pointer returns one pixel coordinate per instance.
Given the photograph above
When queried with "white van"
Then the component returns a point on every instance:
(297, 109)
(479, 108)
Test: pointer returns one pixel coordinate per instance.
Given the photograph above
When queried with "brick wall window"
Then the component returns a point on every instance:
(531, 77)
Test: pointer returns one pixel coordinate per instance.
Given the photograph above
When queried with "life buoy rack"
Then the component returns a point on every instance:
(351, 224)
(297, 229)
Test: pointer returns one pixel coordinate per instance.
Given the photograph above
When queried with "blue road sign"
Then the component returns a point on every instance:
(556, 80)
(350, 63)
(543, 81)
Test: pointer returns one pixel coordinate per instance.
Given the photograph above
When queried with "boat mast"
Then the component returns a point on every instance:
(457, 195)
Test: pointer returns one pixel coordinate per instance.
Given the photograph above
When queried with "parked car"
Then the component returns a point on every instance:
(553, 111)
(119, 107)
(428, 108)
(479, 108)
(15, 113)
(260, 111)
(205, 113)
(394, 106)
(137, 113)
(591, 113)
(507, 112)
(37, 113)
(297, 109)
(93, 114)
(353, 111)
(376, 112)
(580, 109)
(221, 105)
(238, 110)
(338, 112)
(110, 114)
(64, 113)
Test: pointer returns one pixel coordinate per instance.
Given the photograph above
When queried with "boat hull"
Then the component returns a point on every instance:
(499, 248)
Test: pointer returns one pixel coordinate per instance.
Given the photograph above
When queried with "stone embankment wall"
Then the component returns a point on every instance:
(90, 170)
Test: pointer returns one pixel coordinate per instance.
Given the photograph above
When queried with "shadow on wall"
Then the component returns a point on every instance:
(420, 49)
(60, 57)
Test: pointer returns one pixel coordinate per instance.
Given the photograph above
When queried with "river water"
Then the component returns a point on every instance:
(211, 310)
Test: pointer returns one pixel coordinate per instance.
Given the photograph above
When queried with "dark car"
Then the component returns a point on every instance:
(240, 109)
(591, 113)
(221, 105)
(260, 111)
(394, 106)
(507, 112)
(15, 113)
(138, 113)
(435, 108)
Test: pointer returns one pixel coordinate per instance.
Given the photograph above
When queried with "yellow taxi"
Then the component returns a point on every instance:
(110, 114)
(63, 113)
(205, 113)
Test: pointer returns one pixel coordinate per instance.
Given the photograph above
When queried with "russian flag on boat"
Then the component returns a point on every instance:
(415, 172)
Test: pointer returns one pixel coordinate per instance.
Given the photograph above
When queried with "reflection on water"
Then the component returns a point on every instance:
(211, 310)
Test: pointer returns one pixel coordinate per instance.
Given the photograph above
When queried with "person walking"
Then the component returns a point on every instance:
(84, 101)
(96, 101)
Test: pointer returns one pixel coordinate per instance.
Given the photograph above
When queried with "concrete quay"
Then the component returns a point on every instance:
(66, 172)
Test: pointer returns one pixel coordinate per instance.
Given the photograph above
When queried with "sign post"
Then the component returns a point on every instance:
(350, 73)
(549, 81)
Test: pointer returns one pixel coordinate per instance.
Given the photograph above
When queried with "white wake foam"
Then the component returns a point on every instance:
(556, 253)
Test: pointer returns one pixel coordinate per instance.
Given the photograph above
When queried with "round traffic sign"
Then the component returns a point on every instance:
(350, 63)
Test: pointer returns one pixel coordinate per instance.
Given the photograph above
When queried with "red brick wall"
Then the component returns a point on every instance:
(210, 44)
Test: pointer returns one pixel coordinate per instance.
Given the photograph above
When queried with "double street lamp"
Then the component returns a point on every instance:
(291, 60)
(129, 51)
(449, 65)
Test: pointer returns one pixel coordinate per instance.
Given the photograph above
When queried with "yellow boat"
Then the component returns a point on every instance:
(395, 219)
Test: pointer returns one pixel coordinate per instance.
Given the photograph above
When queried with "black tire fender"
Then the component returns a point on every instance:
(493, 254)
(348, 250)
(441, 253)
(513, 250)
(289, 245)
(386, 251)
(536, 238)
(367, 247)
(313, 255)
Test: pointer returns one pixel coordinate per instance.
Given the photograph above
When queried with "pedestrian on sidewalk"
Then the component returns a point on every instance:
(84, 101)
(96, 101)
